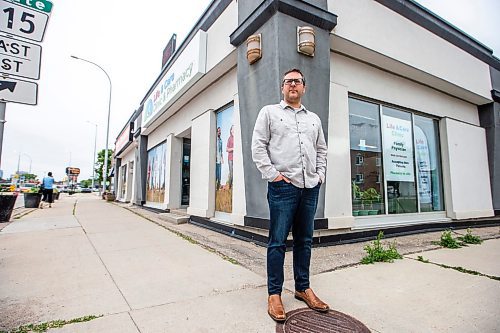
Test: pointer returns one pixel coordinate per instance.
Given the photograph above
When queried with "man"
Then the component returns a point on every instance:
(289, 149)
(48, 190)
(230, 150)
(219, 159)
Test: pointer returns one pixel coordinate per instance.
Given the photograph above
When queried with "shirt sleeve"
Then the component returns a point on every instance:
(260, 141)
(321, 152)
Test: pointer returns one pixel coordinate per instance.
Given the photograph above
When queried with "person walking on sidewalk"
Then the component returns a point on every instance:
(48, 190)
(289, 149)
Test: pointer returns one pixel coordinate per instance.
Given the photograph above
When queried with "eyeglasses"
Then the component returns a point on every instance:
(297, 82)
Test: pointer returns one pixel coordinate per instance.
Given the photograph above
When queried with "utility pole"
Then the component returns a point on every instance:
(2, 123)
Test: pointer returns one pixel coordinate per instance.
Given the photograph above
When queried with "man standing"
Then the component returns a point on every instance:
(48, 190)
(230, 150)
(219, 160)
(289, 149)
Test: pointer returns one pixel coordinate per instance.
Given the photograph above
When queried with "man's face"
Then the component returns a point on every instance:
(218, 131)
(292, 92)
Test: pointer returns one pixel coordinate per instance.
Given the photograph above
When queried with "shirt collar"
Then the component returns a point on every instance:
(284, 105)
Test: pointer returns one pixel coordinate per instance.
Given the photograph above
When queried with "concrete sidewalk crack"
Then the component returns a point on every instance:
(456, 268)
(104, 265)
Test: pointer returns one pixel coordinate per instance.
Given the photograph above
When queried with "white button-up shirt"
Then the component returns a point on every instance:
(291, 142)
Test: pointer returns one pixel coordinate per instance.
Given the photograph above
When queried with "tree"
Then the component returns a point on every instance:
(86, 183)
(29, 176)
(99, 165)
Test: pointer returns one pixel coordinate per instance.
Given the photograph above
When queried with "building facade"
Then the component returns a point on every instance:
(409, 106)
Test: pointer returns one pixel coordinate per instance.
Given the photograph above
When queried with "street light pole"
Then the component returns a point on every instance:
(107, 127)
(93, 163)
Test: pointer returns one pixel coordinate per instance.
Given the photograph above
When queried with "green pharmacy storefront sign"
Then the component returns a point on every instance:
(40, 5)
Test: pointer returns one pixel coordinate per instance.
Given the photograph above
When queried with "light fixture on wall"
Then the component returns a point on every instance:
(254, 48)
(305, 41)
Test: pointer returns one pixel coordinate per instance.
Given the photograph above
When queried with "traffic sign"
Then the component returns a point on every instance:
(18, 91)
(21, 21)
(40, 5)
(20, 58)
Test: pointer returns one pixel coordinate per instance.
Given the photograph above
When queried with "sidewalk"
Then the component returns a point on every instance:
(86, 257)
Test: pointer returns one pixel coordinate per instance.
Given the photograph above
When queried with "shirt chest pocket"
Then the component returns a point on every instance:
(281, 128)
(311, 129)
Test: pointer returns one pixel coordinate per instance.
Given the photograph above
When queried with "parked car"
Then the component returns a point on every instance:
(26, 187)
(86, 190)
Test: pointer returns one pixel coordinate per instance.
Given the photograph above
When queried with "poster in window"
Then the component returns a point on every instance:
(224, 161)
(424, 166)
(398, 149)
(155, 181)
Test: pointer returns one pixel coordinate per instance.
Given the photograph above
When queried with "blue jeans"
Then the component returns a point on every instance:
(217, 174)
(290, 207)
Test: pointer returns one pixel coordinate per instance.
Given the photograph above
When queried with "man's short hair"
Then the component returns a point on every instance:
(294, 70)
(50, 174)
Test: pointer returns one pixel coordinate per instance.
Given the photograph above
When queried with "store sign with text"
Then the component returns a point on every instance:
(125, 137)
(398, 149)
(184, 72)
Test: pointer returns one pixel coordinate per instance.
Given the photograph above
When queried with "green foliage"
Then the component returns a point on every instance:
(29, 176)
(420, 258)
(7, 187)
(43, 327)
(377, 252)
(356, 191)
(34, 189)
(469, 238)
(86, 183)
(448, 241)
(370, 194)
(99, 165)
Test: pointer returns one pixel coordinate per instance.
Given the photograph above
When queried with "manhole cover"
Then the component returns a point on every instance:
(307, 320)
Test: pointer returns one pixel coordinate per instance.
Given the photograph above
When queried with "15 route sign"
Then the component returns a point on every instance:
(18, 91)
(20, 58)
(21, 21)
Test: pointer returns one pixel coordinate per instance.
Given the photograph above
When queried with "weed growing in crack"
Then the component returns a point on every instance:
(377, 252)
(469, 238)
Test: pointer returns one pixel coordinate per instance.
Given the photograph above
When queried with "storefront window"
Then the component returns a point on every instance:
(155, 182)
(394, 155)
(430, 187)
(366, 153)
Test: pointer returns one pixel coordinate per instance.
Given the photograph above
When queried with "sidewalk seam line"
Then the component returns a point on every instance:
(458, 269)
(105, 267)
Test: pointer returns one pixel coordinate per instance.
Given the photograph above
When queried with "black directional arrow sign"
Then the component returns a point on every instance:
(7, 85)
(18, 91)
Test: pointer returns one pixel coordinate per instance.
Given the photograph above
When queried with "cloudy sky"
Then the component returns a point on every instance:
(127, 41)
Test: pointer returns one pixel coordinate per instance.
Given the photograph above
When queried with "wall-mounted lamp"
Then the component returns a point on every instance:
(254, 48)
(305, 41)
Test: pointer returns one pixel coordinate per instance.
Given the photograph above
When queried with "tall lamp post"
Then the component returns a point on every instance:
(93, 163)
(107, 127)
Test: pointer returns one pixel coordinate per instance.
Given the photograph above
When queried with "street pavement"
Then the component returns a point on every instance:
(86, 256)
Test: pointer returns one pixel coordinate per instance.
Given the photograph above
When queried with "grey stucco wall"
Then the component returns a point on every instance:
(260, 84)
(489, 116)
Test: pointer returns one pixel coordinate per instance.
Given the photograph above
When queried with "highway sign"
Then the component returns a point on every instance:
(40, 5)
(20, 58)
(18, 91)
(21, 21)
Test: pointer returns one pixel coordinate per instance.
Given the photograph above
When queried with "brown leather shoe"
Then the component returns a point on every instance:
(312, 300)
(275, 308)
